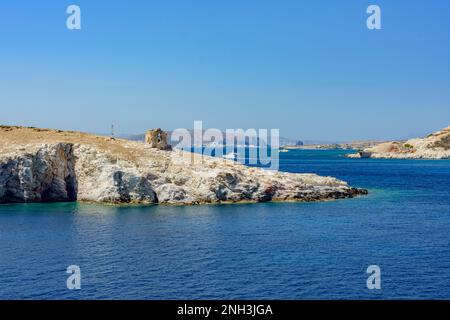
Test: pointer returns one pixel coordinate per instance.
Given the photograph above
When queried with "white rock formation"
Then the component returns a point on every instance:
(434, 146)
(47, 165)
(45, 174)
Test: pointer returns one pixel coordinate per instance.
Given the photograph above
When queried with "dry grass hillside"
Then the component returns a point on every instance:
(11, 136)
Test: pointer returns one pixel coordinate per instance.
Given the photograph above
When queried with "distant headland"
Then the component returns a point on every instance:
(433, 146)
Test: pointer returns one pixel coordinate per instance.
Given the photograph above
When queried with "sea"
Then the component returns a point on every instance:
(316, 250)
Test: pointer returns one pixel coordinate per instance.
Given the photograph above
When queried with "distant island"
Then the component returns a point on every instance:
(45, 165)
(228, 139)
(333, 146)
(433, 146)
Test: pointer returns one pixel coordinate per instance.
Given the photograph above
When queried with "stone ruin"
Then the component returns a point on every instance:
(158, 139)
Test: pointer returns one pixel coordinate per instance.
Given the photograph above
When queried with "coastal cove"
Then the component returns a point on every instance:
(316, 250)
(223, 159)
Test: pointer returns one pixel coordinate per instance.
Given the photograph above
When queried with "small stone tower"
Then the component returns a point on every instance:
(157, 138)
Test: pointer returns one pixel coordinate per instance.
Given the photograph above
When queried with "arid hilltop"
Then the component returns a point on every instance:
(43, 165)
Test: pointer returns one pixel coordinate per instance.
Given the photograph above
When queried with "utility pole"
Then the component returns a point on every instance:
(112, 136)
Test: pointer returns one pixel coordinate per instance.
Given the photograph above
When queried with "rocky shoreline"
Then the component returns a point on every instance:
(40, 165)
(435, 146)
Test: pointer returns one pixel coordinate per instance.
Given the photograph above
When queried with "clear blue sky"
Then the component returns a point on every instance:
(310, 68)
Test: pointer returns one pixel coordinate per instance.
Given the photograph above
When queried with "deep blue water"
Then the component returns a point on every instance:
(249, 251)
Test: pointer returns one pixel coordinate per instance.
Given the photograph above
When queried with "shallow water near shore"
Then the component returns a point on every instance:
(248, 251)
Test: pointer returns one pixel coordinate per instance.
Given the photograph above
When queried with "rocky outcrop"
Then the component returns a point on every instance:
(434, 146)
(46, 165)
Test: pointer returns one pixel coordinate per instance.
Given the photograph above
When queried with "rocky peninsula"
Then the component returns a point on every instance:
(44, 165)
(434, 146)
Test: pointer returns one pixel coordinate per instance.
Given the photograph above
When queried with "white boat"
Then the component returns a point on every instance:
(231, 156)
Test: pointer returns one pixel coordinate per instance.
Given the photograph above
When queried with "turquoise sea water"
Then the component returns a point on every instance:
(249, 251)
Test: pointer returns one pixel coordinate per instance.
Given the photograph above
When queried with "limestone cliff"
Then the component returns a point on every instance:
(38, 165)
(434, 146)
(45, 174)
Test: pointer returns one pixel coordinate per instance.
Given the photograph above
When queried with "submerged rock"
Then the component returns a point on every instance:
(38, 165)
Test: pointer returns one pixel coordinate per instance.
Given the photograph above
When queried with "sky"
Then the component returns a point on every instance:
(309, 68)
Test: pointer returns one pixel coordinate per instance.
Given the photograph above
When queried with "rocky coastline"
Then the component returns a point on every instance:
(435, 146)
(43, 165)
